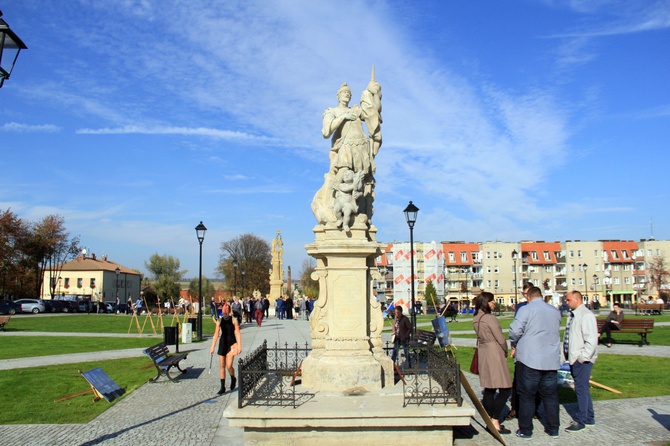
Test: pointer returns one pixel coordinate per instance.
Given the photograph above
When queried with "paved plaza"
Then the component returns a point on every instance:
(190, 412)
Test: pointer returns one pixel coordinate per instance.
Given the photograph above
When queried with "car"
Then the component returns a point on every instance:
(54, 306)
(34, 306)
(9, 307)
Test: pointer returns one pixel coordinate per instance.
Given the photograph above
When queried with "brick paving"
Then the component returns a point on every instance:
(190, 412)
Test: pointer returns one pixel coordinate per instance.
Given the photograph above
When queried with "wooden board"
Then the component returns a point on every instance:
(478, 405)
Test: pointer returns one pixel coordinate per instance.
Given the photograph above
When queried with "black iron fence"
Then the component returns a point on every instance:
(430, 375)
(268, 375)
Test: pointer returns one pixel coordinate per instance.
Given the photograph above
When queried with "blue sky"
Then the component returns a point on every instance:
(503, 120)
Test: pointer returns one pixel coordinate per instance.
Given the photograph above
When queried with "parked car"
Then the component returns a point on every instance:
(34, 306)
(9, 307)
(70, 306)
(54, 306)
(105, 307)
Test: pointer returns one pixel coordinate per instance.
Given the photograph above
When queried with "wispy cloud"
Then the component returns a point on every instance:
(186, 131)
(28, 128)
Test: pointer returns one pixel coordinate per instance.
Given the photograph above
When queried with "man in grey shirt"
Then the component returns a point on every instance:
(535, 340)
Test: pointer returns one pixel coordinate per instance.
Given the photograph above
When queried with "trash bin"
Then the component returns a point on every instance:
(170, 335)
(194, 323)
(186, 333)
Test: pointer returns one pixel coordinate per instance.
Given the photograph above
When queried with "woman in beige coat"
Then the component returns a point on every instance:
(493, 369)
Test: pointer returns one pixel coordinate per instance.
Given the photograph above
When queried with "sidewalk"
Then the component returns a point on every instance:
(190, 412)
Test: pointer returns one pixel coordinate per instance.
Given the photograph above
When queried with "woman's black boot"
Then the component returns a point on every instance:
(222, 390)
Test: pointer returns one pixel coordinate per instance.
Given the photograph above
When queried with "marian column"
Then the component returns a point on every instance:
(347, 320)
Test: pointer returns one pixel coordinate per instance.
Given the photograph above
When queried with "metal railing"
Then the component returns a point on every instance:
(431, 375)
(267, 376)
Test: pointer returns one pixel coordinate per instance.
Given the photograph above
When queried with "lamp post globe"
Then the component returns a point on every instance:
(200, 233)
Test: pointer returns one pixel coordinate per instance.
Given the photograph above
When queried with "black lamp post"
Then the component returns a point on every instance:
(200, 233)
(243, 283)
(595, 279)
(234, 277)
(117, 271)
(410, 215)
(586, 287)
(515, 257)
(10, 47)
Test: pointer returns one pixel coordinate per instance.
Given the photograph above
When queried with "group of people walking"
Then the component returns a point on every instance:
(538, 351)
(289, 308)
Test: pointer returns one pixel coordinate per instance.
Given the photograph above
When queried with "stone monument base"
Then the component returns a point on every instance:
(334, 418)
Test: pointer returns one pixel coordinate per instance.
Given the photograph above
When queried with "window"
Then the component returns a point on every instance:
(80, 282)
(625, 254)
(497, 283)
(626, 280)
(615, 254)
(572, 269)
(579, 253)
(91, 283)
(547, 268)
(648, 252)
(534, 256)
(452, 258)
(488, 284)
(572, 281)
(581, 282)
(488, 270)
(67, 282)
(616, 281)
(626, 267)
(547, 256)
(464, 256)
(488, 255)
(572, 254)
(616, 267)
(658, 252)
(496, 269)
(595, 253)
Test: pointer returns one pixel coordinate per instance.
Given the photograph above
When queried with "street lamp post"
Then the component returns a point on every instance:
(117, 271)
(515, 257)
(10, 47)
(234, 277)
(410, 215)
(243, 272)
(586, 287)
(200, 233)
(595, 289)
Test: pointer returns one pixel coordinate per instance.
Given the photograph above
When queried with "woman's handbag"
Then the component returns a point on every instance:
(474, 366)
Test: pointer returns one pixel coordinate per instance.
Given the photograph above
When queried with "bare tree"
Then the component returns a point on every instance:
(658, 274)
(254, 260)
(310, 287)
(50, 247)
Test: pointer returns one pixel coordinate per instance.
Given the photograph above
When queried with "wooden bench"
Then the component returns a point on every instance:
(423, 338)
(648, 308)
(637, 326)
(160, 356)
(4, 320)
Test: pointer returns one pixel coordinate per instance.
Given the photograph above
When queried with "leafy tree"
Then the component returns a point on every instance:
(309, 286)
(430, 294)
(14, 234)
(254, 260)
(207, 290)
(166, 276)
(658, 274)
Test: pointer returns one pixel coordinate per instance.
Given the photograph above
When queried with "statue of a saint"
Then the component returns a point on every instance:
(352, 153)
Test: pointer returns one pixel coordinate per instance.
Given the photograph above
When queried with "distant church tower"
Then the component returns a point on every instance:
(276, 273)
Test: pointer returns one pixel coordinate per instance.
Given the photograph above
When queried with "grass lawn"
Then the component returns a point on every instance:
(29, 346)
(634, 376)
(96, 323)
(28, 394)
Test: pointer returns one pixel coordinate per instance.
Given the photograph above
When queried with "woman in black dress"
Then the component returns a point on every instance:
(230, 345)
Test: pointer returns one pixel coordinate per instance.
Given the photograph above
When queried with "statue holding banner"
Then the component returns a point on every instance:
(352, 155)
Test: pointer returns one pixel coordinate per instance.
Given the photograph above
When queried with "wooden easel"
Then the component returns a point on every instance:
(148, 317)
(175, 316)
(137, 322)
(160, 314)
(97, 378)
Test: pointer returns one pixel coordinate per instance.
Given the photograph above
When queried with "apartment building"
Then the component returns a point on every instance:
(604, 271)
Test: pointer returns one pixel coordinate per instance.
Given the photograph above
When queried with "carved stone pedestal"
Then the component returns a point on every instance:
(347, 320)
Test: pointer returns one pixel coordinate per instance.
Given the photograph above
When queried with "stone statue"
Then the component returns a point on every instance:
(352, 154)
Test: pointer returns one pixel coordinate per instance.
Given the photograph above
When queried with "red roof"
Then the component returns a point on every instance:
(540, 248)
(457, 249)
(619, 252)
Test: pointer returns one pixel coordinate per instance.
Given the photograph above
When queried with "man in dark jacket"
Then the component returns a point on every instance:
(402, 328)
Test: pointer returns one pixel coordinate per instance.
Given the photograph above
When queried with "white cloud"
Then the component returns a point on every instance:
(186, 131)
(27, 128)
